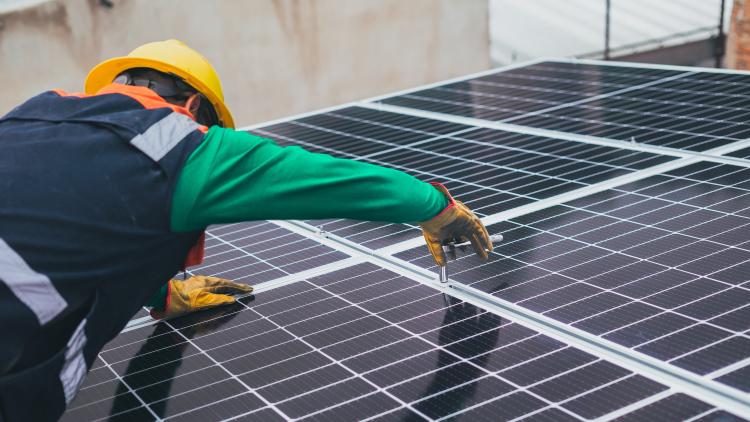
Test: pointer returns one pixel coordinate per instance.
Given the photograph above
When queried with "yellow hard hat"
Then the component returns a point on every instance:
(171, 56)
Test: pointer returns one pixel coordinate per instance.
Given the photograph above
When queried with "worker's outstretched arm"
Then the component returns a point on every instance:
(235, 176)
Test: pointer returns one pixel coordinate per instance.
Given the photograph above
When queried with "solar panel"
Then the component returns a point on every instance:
(513, 93)
(678, 109)
(357, 343)
(661, 266)
(620, 292)
(255, 252)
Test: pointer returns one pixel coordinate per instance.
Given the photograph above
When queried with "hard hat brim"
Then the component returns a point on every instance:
(105, 72)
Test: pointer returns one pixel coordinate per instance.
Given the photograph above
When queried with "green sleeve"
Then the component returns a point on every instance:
(236, 176)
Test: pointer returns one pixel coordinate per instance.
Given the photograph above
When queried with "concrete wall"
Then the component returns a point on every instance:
(275, 57)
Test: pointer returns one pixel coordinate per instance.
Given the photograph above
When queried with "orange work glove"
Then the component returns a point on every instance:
(196, 293)
(455, 223)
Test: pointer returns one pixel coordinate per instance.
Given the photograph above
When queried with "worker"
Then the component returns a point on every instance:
(105, 195)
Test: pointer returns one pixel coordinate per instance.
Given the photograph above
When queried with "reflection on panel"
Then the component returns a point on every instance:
(696, 112)
(512, 93)
(679, 109)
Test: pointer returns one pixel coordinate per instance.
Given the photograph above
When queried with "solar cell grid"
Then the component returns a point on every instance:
(256, 252)
(489, 170)
(512, 93)
(658, 265)
(691, 110)
(284, 355)
(697, 112)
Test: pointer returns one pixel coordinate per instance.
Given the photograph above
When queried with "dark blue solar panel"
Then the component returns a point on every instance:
(256, 252)
(351, 344)
(513, 93)
(658, 265)
(678, 109)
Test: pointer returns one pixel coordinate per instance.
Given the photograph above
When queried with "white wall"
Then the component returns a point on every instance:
(524, 29)
(275, 57)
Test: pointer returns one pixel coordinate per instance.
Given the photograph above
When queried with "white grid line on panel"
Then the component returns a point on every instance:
(694, 116)
(212, 255)
(434, 128)
(250, 255)
(291, 278)
(706, 346)
(130, 390)
(544, 65)
(238, 227)
(204, 267)
(228, 372)
(335, 361)
(500, 148)
(590, 99)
